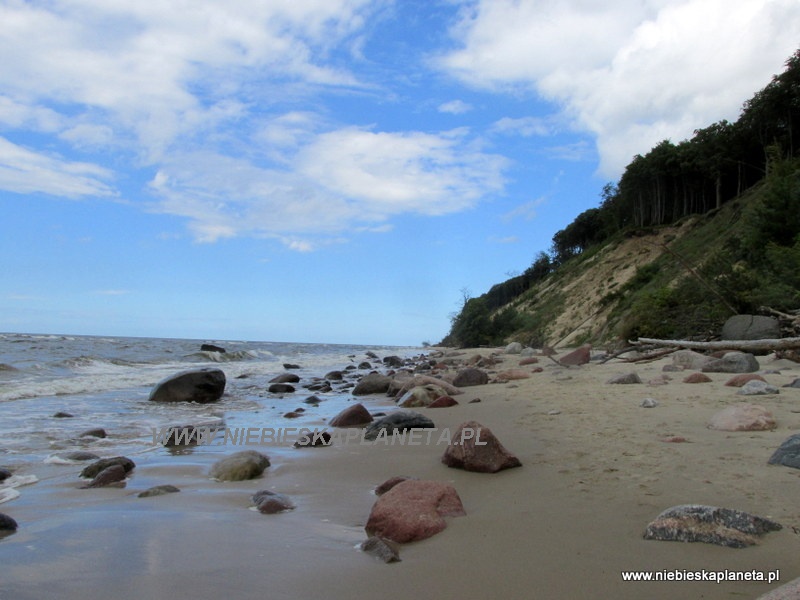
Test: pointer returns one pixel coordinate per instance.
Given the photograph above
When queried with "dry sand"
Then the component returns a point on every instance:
(563, 526)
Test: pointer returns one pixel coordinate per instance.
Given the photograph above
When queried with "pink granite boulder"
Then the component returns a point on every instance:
(474, 447)
(352, 416)
(743, 417)
(579, 356)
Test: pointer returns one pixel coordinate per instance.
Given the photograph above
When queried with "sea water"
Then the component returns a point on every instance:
(105, 382)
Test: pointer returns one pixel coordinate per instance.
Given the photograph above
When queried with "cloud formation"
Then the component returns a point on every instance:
(632, 72)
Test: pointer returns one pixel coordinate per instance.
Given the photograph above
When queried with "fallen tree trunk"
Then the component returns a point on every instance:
(742, 345)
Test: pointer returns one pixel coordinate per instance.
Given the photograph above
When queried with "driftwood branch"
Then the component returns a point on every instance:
(743, 345)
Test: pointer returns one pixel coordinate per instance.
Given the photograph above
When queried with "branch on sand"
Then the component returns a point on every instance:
(767, 345)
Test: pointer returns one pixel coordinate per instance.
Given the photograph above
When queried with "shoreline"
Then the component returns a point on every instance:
(594, 473)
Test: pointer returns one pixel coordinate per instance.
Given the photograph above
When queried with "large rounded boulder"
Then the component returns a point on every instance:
(197, 385)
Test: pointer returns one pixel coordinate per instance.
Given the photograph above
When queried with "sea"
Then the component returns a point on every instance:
(105, 382)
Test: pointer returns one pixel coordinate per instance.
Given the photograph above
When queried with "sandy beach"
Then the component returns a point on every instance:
(594, 472)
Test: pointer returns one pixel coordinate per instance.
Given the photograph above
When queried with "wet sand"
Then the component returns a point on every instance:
(564, 525)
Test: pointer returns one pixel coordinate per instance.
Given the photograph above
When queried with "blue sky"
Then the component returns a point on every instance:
(331, 170)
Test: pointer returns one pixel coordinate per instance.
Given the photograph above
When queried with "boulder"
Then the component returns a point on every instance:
(788, 591)
(400, 420)
(97, 432)
(732, 362)
(413, 510)
(76, 456)
(94, 469)
(372, 383)
(269, 503)
(474, 447)
(381, 549)
(710, 525)
(751, 327)
(757, 388)
(198, 385)
(352, 416)
(443, 402)
(690, 360)
(421, 395)
(393, 361)
(740, 380)
(159, 490)
(697, 378)
(285, 378)
(514, 348)
(211, 348)
(334, 375)
(111, 475)
(240, 466)
(470, 376)
(627, 378)
(281, 388)
(788, 453)
(579, 356)
(742, 417)
(7, 523)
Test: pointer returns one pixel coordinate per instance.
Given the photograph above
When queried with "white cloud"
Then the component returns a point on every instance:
(632, 72)
(524, 126)
(455, 107)
(24, 171)
(341, 181)
(526, 211)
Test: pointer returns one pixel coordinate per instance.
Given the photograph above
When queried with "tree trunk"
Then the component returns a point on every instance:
(768, 345)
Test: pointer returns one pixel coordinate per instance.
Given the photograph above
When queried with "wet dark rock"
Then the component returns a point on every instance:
(112, 475)
(5, 474)
(94, 469)
(473, 447)
(710, 525)
(281, 388)
(352, 416)
(211, 348)
(158, 490)
(372, 383)
(240, 466)
(97, 432)
(364, 365)
(290, 366)
(469, 377)
(291, 415)
(286, 378)
(313, 400)
(191, 434)
(314, 440)
(393, 361)
(398, 421)
(77, 455)
(788, 453)
(382, 549)
(334, 375)
(63, 415)
(198, 385)
(413, 510)
(270, 503)
(7, 524)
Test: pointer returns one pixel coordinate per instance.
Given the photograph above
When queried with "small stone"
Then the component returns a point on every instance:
(95, 468)
(63, 415)
(757, 388)
(697, 378)
(625, 379)
(240, 466)
(281, 388)
(443, 402)
(314, 440)
(270, 503)
(649, 403)
(7, 524)
(158, 490)
(110, 476)
(741, 379)
(788, 453)
(381, 549)
(743, 417)
(97, 432)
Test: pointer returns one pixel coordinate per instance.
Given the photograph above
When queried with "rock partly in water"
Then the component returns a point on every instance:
(372, 383)
(421, 396)
(270, 503)
(413, 510)
(743, 417)
(579, 356)
(239, 466)
(470, 376)
(474, 447)
(352, 416)
(62, 415)
(710, 525)
(382, 549)
(97, 432)
(159, 490)
(113, 475)
(281, 388)
(7, 525)
(788, 453)
(197, 385)
(286, 378)
(397, 422)
(92, 470)
(732, 362)
(211, 348)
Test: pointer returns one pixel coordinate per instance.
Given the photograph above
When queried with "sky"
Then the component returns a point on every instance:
(338, 171)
